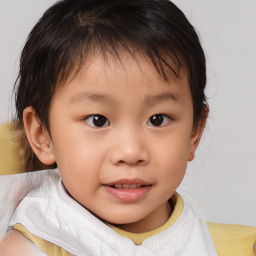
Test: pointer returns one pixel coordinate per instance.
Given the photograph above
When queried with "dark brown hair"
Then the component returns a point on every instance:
(71, 30)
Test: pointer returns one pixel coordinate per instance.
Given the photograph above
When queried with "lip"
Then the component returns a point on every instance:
(129, 181)
(128, 194)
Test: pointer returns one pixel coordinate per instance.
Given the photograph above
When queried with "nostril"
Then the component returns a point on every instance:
(140, 162)
(133, 163)
(136, 163)
(121, 162)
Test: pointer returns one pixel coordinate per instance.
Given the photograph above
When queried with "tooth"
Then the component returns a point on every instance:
(127, 186)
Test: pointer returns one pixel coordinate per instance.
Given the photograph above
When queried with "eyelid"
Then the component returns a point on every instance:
(166, 121)
(88, 120)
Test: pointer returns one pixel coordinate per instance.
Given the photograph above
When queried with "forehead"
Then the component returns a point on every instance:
(128, 75)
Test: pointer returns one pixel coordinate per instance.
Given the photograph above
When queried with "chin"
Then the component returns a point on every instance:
(122, 219)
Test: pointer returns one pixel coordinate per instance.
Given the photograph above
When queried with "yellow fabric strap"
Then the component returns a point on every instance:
(138, 238)
(45, 246)
(11, 158)
(235, 240)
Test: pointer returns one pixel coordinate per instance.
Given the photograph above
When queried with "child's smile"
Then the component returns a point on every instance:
(128, 190)
(121, 136)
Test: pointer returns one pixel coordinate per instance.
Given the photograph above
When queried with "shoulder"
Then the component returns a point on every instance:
(15, 243)
(233, 239)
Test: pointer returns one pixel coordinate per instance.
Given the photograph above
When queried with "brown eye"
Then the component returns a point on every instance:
(98, 121)
(158, 120)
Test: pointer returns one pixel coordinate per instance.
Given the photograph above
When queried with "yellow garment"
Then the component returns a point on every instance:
(234, 240)
(11, 159)
(229, 240)
(45, 246)
(138, 238)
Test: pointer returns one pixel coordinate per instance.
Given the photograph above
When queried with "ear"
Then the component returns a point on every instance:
(196, 135)
(38, 137)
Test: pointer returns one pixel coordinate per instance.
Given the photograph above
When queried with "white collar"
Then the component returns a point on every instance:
(48, 212)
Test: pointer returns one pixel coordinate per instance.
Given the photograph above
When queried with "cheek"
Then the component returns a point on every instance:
(74, 147)
(79, 159)
(172, 155)
(173, 149)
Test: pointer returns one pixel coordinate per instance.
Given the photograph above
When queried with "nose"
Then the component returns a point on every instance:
(129, 147)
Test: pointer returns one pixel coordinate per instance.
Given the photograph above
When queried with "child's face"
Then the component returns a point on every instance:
(121, 137)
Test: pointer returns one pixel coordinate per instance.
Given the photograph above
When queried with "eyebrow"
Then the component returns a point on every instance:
(85, 96)
(163, 97)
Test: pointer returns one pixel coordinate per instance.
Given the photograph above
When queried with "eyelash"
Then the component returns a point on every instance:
(102, 120)
(162, 118)
(159, 119)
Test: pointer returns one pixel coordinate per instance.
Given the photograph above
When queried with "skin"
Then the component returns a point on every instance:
(129, 146)
(15, 243)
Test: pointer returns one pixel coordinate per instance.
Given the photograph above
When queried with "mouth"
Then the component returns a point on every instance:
(127, 186)
(128, 190)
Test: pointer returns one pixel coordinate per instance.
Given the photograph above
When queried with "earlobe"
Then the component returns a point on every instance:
(196, 136)
(38, 137)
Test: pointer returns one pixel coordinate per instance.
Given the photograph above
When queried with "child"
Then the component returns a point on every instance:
(111, 94)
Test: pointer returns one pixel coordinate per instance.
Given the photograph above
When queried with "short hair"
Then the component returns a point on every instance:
(72, 30)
